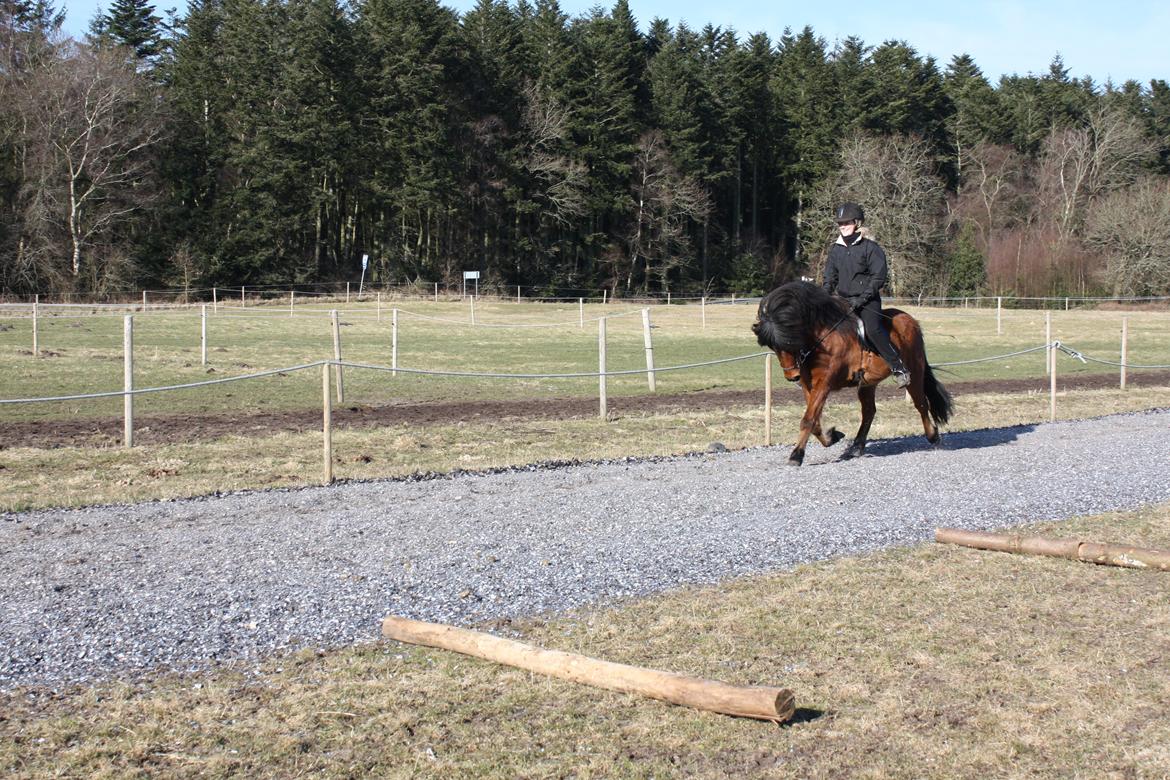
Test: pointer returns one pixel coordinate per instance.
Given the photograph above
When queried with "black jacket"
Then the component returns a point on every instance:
(856, 271)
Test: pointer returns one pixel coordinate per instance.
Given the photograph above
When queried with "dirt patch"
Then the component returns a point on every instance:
(180, 428)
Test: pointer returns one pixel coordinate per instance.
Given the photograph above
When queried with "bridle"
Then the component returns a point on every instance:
(807, 352)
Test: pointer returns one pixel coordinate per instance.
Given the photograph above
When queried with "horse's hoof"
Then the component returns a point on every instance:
(852, 452)
(835, 436)
(796, 459)
(936, 441)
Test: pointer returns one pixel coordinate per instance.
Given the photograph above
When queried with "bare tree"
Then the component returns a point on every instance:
(1129, 228)
(895, 180)
(1079, 165)
(562, 180)
(994, 181)
(90, 124)
(664, 202)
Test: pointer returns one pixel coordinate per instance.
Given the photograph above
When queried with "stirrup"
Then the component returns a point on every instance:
(902, 378)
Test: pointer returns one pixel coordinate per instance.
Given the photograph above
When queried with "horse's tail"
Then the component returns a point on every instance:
(941, 403)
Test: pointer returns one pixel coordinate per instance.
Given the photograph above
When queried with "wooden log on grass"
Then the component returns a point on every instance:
(763, 703)
(1073, 549)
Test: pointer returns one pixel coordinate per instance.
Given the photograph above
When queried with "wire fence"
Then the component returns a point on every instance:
(262, 294)
(1055, 345)
(602, 374)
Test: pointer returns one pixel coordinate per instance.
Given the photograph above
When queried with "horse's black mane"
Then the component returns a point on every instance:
(792, 316)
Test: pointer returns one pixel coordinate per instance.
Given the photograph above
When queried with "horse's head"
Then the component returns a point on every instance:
(793, 316)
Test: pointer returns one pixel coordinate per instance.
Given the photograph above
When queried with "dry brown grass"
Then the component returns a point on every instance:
(930, 661)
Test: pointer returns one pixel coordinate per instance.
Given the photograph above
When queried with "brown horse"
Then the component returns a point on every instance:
(815, 337)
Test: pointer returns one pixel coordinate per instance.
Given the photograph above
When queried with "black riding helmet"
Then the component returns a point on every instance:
(848, 212)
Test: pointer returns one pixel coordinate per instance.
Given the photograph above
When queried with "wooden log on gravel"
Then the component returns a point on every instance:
(1073, 549)
(774, 704)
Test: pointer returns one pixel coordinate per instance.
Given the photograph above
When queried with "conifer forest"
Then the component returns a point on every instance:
(276, 142)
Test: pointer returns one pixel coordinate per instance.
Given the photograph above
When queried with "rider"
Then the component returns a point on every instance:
(857, 271)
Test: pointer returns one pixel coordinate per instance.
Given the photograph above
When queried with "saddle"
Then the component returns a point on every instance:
(872, 367)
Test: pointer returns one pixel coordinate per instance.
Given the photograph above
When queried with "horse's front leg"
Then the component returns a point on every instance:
(810, 422)
(865, 394)
(826, 438)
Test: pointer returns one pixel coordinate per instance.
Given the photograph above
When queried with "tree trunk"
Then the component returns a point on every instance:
(774, 704)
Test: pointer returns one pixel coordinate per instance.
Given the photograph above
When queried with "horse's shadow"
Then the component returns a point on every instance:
(959, 440)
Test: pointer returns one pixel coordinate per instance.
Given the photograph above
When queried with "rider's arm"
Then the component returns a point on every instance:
(878, 272)
(830, 284)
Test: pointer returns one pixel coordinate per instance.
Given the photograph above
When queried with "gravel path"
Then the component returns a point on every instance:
(94, 593)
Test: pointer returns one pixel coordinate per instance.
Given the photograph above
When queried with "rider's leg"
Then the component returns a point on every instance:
(878, 333)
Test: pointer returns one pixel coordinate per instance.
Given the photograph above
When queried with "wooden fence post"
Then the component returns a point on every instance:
(1047, 339)
(581, 311)
(998, 316)
(203, 335)
(292, 301)
(337, 355)
(326, 424)
(767, 400)
(36, 326)
(1052, 383)
(347, 293)
(1124, 348)
(703, 310)
(128, 381)
(379, 307)
(649, 342)
(472, 299)
(214, 300)
(243, 297)
(144, 300)
(436, 292)
(394, 341)
(601, 366)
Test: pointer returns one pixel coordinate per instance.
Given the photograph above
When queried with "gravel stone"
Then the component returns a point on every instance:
(114, 591)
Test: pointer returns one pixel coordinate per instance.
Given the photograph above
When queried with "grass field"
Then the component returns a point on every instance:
(922, 662)
(83, 354)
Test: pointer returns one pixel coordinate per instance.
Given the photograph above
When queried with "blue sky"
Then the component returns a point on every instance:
(1118, 40)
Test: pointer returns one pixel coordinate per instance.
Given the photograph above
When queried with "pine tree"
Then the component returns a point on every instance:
(415, 74)
(315, 138)
(805, 92)
(966, 265)
(133, 23)
(904, 95)
(608, 120)
(977, 113)
(27, 32)
(1159, 122)
(684, 111)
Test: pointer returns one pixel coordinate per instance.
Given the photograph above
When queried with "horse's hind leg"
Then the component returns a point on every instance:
(866, 395)
(918, 396)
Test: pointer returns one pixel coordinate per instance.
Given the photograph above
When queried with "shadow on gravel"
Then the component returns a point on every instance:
(962, 440)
